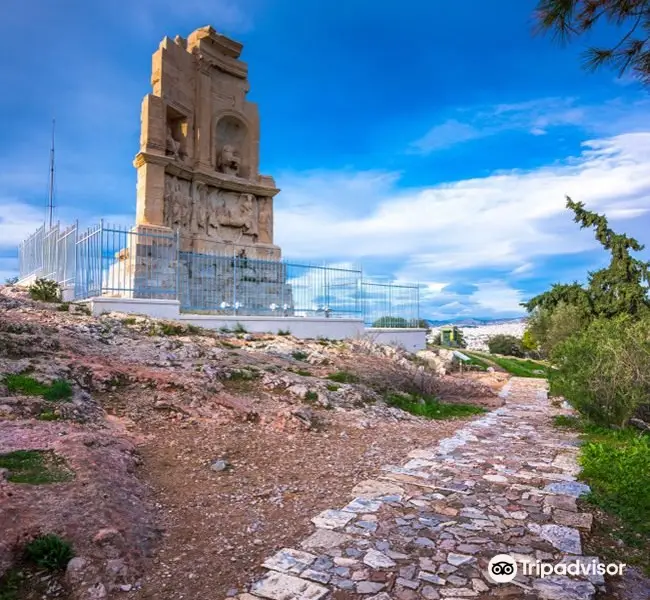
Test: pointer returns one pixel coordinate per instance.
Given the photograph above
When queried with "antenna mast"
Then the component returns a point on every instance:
(50, 200)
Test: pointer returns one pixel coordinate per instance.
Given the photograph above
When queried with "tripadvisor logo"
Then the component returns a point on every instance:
(502, 568)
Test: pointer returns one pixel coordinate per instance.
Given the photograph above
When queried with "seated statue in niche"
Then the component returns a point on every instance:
(173, 146)
(229, 160)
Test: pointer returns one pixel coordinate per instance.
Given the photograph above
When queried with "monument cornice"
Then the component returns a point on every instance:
(214, 178)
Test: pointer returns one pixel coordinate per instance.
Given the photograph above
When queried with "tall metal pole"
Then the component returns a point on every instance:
(50, 200)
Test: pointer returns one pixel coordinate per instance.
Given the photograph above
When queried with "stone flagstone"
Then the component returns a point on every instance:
(427, 529)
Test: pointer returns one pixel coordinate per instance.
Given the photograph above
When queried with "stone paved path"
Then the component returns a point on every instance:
(505, 483)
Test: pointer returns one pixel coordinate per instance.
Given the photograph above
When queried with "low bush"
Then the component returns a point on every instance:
(332, 387)
(49, 552)
(343, 377)
(567, 422)
(59, 390)
(311, 396)
(299, 355)
(239, 328)
(45, 290)
(430, 407)
(284, 332)
(507, 345)
(604, 371)
(35, 467)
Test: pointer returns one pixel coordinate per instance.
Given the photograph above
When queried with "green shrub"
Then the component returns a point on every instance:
(35, 467)
(343, 377)
(299, 355)
(48, 415)
(311, 396)
(129, 321)
(549, 328)
(398, 322)
(11, 280)
(303, 373)
(24, 384)
(567, 422)
(604, 371)
(430, 407)
(59, 390)
(332, 387)
(239, 328)
(224, 329)
(49, 552)
(284, 332)
(507, 345)
(10, 584)
(63, 307)
(45, 290)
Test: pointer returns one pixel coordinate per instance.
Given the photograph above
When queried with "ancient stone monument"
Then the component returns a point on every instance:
(198, 162)
(204, 216)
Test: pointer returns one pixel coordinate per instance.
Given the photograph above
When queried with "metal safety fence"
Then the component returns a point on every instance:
(151, 263)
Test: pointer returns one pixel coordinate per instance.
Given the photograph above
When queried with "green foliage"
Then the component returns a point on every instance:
(10, 584)
(521, 367)
(58, 390)
(11, 280)
(224, 329)
(529, 342)
(343, 377)
(194, 329)
(430, 407)
(129, 321)
(398, 322)
(299, 355)
(45, 290)
(507, 345)
(163, 328)
(616, 464)
(63, 307)
(332, 387)
(550, 327)
(311, 396)
(284, 332)
(302, 373)
(49, 552)
(35, 467)
(569, 18)
(619, 289)
(239, 328)
(604, 371)
(48, 415)
(567, 422)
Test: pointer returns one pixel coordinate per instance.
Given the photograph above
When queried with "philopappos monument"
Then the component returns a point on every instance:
(198, 164)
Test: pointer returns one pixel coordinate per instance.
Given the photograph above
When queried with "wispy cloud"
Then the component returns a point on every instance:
(502, 224)
(536, 117)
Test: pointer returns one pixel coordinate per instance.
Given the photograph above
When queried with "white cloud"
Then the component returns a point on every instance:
(505, 221)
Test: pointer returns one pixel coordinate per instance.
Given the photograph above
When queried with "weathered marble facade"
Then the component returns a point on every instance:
(199, 150)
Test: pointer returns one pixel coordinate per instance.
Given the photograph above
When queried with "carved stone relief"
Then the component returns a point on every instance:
(265, 220)
(203, 211)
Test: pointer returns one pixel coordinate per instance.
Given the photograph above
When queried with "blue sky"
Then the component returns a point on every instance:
(431, 142)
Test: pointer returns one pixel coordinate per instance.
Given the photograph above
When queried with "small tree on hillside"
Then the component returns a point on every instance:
(508, 345)
(391, 322)
(619, 289)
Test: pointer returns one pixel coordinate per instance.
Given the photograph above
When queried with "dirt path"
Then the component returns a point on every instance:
(504, 483)
(219, 526)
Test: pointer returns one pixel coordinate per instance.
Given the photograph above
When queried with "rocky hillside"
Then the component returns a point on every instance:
(161, 451)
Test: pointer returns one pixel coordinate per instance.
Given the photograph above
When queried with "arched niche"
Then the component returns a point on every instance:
(232, 146)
